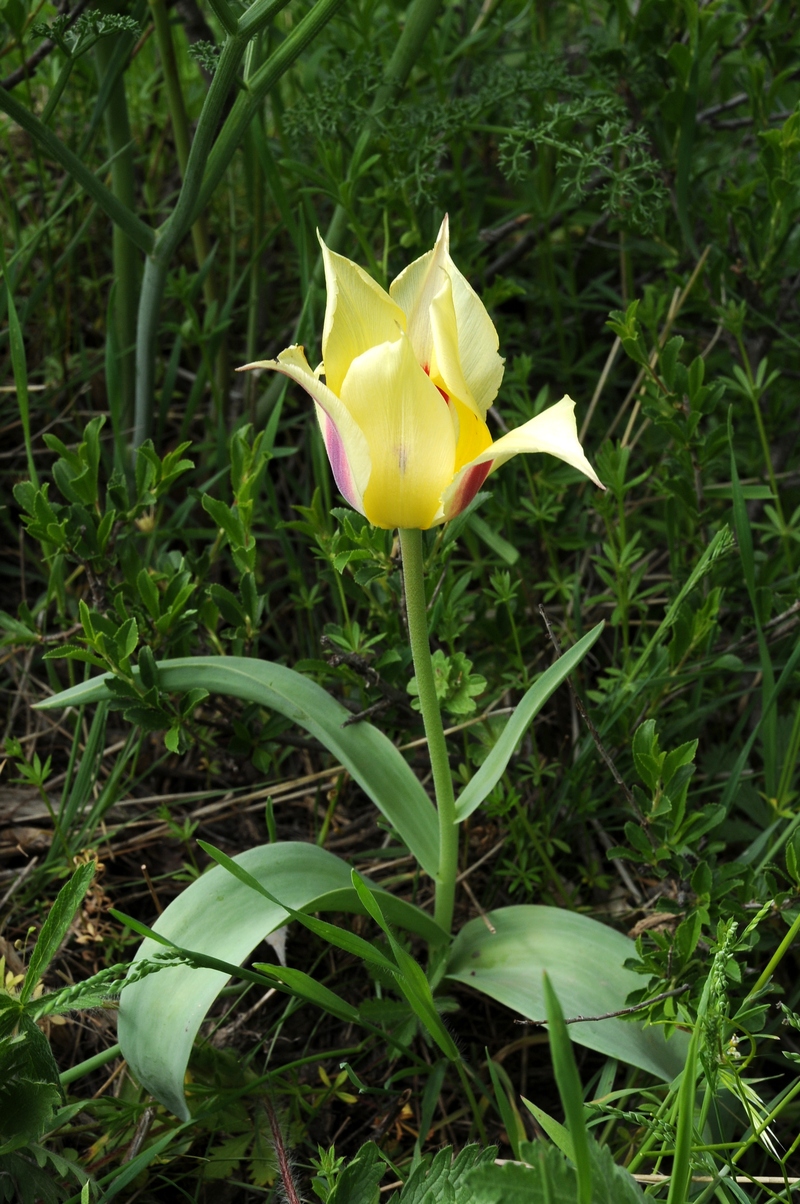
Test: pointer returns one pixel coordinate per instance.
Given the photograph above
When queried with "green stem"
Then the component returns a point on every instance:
(776, 958)
(414, 579)
(180, 128)
(150, 297)
(91, 1064)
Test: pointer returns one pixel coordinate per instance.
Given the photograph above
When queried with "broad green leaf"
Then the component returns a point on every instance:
(55, 927)
(220, 916)
(362, 749)
(526, 711)
(585, 962)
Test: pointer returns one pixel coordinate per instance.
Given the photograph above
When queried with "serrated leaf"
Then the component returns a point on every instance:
(550, 1179)
(74, 652)
(359, 1181)
(149, 593)
(433, 1180)
(55, 927)
(172, 739)
(647, 757)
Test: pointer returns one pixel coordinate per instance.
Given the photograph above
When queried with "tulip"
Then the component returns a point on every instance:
(402, 393)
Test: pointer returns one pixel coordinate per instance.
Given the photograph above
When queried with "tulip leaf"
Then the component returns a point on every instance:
(220, 916)
(367, 754)
(585, 961)
(526, 711)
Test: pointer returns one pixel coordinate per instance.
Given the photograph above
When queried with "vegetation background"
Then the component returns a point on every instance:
(623, 185)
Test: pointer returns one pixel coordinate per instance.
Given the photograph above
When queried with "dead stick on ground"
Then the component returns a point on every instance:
(636, 1007)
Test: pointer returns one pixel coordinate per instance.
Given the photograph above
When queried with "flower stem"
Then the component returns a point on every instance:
(414, 578)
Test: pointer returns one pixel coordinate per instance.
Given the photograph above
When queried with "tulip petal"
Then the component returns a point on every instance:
(359, 315)
(553, 431)
(477, 342)
(409, 433)
(344, 442)
(445, 364)
(473, 434)
(415, 290)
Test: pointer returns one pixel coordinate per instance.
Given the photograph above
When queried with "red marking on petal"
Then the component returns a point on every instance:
(470, 484)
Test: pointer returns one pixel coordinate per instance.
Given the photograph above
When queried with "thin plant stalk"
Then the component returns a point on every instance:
(19, 367)
(414, 580)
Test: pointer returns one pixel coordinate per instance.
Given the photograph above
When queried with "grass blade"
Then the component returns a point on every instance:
(569, 1088)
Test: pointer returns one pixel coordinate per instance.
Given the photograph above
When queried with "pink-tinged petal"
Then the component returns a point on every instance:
(554, 431)
(344, 440)
(340, 465)
(467, 484)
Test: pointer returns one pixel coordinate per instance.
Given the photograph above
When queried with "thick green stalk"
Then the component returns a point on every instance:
(414, 579)
(180, 125)
(150, 298)
(180, 220)
(172, 232)
(180, 130)
(124, 251)
(90, 1065)
(249, 100)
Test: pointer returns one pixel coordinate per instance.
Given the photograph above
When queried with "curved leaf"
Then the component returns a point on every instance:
(526, 711)
(220, 916)
(585, 962)
(364, 751)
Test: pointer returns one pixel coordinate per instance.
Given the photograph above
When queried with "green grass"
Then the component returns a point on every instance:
(622, 189)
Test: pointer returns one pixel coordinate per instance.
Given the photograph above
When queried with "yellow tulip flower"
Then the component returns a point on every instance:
(403, 390)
